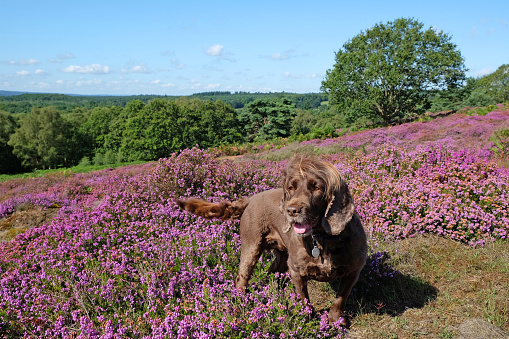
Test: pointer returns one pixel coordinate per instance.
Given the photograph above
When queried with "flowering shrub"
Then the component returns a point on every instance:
(129, 263)
(121, 260)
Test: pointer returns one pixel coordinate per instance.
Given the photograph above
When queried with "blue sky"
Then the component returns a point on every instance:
(184, 47)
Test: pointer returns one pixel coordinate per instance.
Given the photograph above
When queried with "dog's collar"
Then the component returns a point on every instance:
(315, 252)
(327, 241)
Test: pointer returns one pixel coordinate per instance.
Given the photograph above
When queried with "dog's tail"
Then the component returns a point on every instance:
(224, 210)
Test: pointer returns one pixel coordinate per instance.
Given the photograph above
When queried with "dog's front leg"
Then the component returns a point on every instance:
(300, 283)
(338, 306)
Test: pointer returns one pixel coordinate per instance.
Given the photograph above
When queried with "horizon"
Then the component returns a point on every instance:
(179, 49)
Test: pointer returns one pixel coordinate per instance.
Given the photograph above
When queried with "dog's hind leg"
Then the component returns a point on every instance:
(338, 306)
(249, 255)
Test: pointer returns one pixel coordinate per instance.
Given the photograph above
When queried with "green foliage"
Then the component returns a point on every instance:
(85, 161)
(156, 131)
(216, 123)
(384, 73)
(8, 162)
(23, 103)
(268, 119)
(102, 128)
(500, 139)
(41, 139)
(496, 84)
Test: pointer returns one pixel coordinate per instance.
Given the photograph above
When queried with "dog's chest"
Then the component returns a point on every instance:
(327, 266)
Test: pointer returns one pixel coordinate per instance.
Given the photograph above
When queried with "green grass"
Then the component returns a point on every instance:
(64, 171)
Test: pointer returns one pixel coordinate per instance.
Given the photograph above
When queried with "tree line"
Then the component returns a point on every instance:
(48, 138)
(23, 103)
(392, 72)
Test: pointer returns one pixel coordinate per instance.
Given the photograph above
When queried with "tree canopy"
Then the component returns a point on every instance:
(267, 119)
(387, 70)
(496, 84)
(41, 139)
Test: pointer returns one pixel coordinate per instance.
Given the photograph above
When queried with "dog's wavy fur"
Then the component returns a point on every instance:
(316, 202)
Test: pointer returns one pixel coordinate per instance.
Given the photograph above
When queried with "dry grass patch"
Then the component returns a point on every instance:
(26, 216)
(441, 287)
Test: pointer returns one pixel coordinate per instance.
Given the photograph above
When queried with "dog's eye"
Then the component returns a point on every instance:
(291, 188)
(317, 188)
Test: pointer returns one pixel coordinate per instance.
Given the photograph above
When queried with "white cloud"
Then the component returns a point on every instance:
(170, 85)
(24, 62)
(43, 85)
(212, 86)
(294, 76)
(61, 57)
(483, 72)
(177, 64)
(23, 73)
(89, 69)
(141, 68)
(289, 53)
(155, 82)
(215, 50)
(39, 72)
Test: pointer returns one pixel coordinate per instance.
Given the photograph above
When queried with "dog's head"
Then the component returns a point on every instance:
(314, 194)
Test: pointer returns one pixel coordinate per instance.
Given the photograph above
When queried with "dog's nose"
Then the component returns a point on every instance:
(293, 210)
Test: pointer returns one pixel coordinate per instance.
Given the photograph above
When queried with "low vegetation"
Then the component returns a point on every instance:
(108, 253)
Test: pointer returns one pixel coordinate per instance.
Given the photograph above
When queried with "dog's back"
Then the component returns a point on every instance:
(224, 210)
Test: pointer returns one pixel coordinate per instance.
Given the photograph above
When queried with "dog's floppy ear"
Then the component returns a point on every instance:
(339, 211)
(282, 206)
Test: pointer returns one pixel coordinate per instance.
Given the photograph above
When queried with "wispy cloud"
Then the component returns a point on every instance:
(289, 53)
(88, 69)
(94, 82)
(61, 57)
(24, 62)
(298, 76)
(23, 73)
(176, 63)
(140, 68)
(474, 32)
(215, 50)
(218, 51)
(212, 86)
(483, 72)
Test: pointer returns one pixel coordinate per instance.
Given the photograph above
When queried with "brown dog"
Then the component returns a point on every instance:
(310, 224)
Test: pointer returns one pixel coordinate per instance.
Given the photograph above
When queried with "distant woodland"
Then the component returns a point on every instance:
(379, 78)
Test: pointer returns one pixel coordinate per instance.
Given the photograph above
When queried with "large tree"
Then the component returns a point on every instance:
(267, 119)
(41, 139)
(387, 70)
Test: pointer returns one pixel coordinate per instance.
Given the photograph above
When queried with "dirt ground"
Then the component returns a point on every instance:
(26, 216)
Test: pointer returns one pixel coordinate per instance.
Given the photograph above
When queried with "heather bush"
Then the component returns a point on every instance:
(131, 264)
(458, 194)
(121, 260)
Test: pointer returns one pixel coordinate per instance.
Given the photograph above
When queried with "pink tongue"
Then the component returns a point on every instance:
(300, 229)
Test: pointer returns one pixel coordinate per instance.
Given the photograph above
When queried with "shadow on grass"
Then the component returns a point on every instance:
(389, 295)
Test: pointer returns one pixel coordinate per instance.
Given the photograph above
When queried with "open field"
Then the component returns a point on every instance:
(107, 254)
